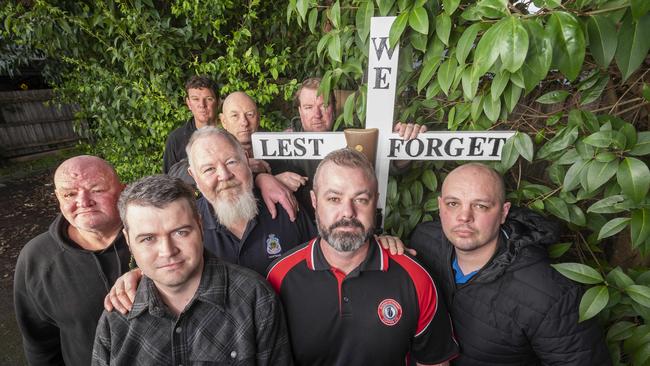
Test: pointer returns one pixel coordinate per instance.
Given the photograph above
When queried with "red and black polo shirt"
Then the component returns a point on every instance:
(378, 314)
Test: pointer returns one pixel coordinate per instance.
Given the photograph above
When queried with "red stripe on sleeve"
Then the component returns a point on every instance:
(283, 266)
(425, 289)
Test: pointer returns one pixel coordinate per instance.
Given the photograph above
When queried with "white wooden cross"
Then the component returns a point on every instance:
(382, 82)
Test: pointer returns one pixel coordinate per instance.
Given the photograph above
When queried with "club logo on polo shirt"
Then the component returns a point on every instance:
(390, 312)
(273, 247)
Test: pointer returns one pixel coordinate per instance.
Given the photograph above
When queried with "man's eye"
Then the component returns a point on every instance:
(363, 201)
(146, 239)
(182, 233)
(452, 204)
(481, 207)
(232, 162)
(334, 199)
(208, 170)
(68, 195)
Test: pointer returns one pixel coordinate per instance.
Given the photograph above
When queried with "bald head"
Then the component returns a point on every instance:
(88, 188)
(240, 117)
(78, 164)
(471, 172)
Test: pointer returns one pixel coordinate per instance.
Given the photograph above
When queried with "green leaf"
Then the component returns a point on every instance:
(593, 301)
(555, 96)
(619, 278)
(613, 227)
(634, 178)
(384, 8)
(540, 55)
(450, 6)
(348, 110)
(606, 205)
(302, 6)
(446, 74)
(579, 272)
(419, 41)
(602, 39)
(443, 27)
(620, 331)
(640, 294)
(599, 174)
(642, 146)
(633, 44)
(363, 16)
(524, 145)
(397, 29)
(499, 83)
(646, 92)
(470, 86)
(431, 205)
(594, 92)
(466, 42)
(511, 96)
(323, 43)
(513, 40)
(509, 155)
(429, 180)
(428, 69)
(335, 14)
(558, 250)
(492, 8)
(600, 138)
(640, 8)
(558, 207)
(419, 20)
(569, 43)
(640, 226)
(334, 47)
(491, 107)
(486, 52)
(312, 19)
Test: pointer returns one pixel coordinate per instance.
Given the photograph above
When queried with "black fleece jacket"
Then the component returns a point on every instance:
(59, 290)
(517, 310)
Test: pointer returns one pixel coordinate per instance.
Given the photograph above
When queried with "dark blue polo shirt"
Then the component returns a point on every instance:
(264, 239)
(382, 313)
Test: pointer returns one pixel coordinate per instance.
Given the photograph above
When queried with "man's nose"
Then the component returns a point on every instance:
(223, 173)
(166, 247)
(347, 208)
(319, 111)
(465, 214)
(84, 199)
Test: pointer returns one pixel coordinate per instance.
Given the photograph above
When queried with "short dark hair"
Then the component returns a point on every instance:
(157, 191)
(313, 84)
(349, 158)
(201, 81)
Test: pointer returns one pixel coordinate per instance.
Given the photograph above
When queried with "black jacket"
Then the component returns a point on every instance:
(176, 143)
(59, 292)
(517, 310)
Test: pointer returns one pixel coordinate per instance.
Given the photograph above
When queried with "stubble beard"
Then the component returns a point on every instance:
(344, 241)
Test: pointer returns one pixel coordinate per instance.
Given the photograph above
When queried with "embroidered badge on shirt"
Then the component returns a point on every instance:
(273, 247)
(390, 312)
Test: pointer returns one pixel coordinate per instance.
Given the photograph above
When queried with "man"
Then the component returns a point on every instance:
(237, 228)
(190, 307)
(202, 100)
(316, 116)
(347, 300)
(63, 274)
(508, 306)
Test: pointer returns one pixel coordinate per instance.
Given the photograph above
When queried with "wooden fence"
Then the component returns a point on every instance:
(28, 125)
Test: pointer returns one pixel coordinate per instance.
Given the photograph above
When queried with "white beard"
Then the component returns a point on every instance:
(243, 208)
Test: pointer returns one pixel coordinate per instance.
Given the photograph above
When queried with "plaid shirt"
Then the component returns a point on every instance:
(234, 318)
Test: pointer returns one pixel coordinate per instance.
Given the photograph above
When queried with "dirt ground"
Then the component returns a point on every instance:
(27, 206)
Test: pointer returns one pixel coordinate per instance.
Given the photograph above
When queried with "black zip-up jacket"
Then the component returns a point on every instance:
(59, 291)
(517, 310)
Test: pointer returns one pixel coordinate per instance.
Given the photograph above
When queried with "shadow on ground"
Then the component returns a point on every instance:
(27, 206)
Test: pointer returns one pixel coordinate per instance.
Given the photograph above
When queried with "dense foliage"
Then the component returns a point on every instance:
(570, 76)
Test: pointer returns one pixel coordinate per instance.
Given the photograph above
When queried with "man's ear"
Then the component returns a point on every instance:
(221, 118)
(191, 172)
(312, 194)
(126, 237)
(187, 102)
(439, 204)
(505, 209)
